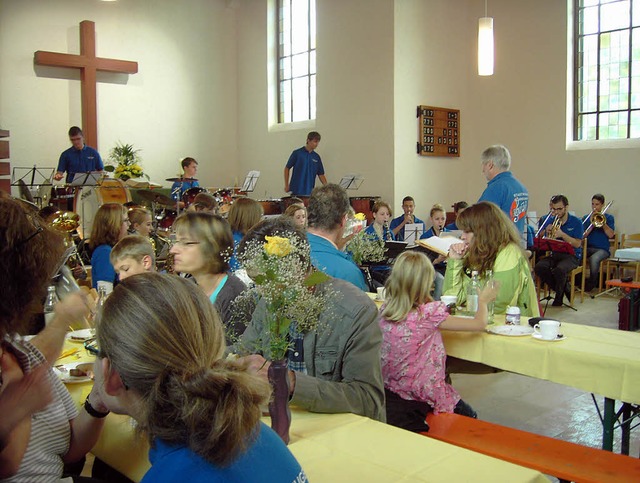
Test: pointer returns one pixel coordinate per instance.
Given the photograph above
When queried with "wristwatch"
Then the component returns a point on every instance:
(92, 411)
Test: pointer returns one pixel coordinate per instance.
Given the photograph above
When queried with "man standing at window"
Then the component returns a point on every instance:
(306, 164)
(503, 188)
(79, 158)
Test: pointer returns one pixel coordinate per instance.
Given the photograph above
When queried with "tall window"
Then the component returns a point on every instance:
(607, 63)
(296, 60)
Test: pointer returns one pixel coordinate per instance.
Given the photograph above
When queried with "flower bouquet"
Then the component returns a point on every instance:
(126, 162)
(365, 248)
(285, 282)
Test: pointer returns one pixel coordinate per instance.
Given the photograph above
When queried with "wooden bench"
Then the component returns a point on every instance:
(564, 460)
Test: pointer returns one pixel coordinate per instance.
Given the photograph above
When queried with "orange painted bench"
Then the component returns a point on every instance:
(562, 459)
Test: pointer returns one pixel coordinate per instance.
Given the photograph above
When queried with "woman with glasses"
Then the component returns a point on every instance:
(203, 246)
(110, 225)
(40, 427)
(162, 362)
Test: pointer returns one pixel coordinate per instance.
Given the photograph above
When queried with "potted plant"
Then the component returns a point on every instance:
(125, 162)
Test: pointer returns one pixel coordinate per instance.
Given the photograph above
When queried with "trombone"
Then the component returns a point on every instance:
(597, 218)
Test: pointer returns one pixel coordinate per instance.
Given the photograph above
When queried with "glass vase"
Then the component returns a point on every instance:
(279, 411)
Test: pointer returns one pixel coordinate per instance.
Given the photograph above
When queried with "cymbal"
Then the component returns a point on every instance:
(149, 195)
(186, 180)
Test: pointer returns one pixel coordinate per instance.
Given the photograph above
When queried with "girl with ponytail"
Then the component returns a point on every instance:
(161, 361)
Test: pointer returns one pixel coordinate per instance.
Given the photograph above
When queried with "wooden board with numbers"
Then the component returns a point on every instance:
(438, 131)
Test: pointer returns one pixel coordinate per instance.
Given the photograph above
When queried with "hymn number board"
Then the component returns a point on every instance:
(438, 131)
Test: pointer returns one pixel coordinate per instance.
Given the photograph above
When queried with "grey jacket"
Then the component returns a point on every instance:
(342, 358)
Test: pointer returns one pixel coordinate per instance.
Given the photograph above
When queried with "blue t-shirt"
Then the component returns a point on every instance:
(234, 264)
(327, 258)
(179, 187)
(573, 227)
(387, 234)
(429, 233)
(511, 196)
(82, 160)
(395, 223)
(101, 268)
(306, 166)
(266, 460)
(598, 238)
(451, 226)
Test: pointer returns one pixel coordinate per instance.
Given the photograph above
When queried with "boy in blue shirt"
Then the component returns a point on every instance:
(306, 165)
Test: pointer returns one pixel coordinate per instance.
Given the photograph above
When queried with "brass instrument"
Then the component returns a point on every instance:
(554, 227)
(597, 218)
(67, 222)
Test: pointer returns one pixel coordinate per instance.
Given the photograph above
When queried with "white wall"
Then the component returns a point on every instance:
(182, 102)
(354, 102)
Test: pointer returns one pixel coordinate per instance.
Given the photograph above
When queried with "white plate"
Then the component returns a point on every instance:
(511, 330)
(539, 337)
(81, 335)
(62, 371)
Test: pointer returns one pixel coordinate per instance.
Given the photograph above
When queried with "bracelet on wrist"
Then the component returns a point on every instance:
(92, 411)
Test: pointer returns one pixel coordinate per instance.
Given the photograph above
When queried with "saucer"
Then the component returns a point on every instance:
(510, 330)
(559, 338)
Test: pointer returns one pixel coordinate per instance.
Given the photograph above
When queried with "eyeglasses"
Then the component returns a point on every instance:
(36, 224)
(180, 243)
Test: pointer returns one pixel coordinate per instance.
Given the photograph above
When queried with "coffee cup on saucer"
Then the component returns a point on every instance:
(547, 329)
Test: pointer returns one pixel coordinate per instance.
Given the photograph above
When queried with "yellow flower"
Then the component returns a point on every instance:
(278, 246)
(360, 216)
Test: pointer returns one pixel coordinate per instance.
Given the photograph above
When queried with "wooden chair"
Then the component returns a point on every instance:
(619, 265)
(613, 246)
(579, 270)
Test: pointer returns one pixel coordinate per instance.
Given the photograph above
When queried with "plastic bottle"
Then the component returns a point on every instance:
(472, 293)
(512, 316)
(490, 306)
(50, 304)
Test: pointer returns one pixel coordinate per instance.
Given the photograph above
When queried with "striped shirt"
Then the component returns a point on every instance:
(50, 430)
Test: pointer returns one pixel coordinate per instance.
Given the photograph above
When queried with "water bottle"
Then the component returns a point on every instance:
(489, 282)
(102, 298)
(50, 304)
(472, 293)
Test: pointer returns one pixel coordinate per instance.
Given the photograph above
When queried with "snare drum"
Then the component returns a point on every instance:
(189, 195)
(90, 198)
(224, 197)
(165, 220)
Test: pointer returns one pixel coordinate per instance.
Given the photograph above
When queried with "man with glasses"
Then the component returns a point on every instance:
(554, 269)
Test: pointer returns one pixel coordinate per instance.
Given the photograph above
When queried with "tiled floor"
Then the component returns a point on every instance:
(544, 407)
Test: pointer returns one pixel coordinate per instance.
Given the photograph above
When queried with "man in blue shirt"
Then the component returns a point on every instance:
(79, 158)
(306, 165)
(328, 208)
(598, 244)
(187, 180)
(555, 268)
(397, 224)
(503, 188)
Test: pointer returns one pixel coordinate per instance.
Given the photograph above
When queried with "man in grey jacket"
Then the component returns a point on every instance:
(341, 359)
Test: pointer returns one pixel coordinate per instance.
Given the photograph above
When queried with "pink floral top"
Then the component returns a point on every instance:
(413, 358)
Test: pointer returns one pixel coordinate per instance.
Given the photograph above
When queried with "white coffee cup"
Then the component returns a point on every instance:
(449, 299)
(547, 329)
(381, 293)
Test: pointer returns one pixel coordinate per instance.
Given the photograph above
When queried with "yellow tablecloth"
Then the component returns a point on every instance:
(334, 447)
(593, 359)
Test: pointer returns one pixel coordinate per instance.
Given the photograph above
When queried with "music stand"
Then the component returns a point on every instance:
(392, 249)
(351, 181)
(26, 178)
(250, 181)
(413, 232)
(85, 180)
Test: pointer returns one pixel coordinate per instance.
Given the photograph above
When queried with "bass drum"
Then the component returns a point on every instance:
(165, 221)
(90, 198)
(190, 195)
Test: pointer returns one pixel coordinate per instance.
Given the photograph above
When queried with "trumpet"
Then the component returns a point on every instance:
(554, 227)
(544, 223)
(597, 218)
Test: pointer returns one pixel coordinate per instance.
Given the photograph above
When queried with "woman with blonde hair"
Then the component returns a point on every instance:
(110, 225)
(141, 223)
(297, 213)
(203, 246)
(243, 215)
(412, 352)
(491, 242)
(161, 361)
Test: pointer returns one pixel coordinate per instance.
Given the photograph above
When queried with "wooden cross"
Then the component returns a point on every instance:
(88, 64)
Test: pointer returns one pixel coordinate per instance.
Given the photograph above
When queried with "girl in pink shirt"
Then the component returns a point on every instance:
(413, 354)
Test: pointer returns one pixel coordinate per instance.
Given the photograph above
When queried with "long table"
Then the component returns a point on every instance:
(593, 359)
(335, 447)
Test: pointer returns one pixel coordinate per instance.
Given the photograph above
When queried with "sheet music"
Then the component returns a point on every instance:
(351, 181)
(412, 232)
(250, 181)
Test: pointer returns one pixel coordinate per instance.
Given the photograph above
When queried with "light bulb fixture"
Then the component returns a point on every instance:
(485, 44)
